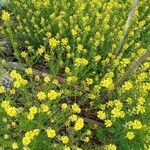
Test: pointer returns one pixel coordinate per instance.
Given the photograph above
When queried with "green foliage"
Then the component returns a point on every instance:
(81, 79)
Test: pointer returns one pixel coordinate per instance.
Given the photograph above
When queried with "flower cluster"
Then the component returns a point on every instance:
(19, 81)
(11, 111)
(5, 16)
(29, 136)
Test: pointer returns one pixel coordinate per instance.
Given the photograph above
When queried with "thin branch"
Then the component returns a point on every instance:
(15, 65)
(127, 25)
(132, 68)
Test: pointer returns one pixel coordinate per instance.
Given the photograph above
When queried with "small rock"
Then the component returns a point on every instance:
(5, 80)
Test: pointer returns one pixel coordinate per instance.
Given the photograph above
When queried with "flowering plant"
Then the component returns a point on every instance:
(82, 80)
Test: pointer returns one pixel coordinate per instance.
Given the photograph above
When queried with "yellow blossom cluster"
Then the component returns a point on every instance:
(52, 95)
(79, 124)
(2, 89)
(41, 95)
(64, 139)
(11, 111)
(53, 42)
(29, 71)
(51, 133)
(127, 86)
(81, 62)
(19, 81)
(44, 108)
(107, 83)
(76, 108)
(32, 112)
(5, 16)
(29, 136)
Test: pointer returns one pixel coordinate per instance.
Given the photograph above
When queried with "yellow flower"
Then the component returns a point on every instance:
(5, 16)
(142, 76)
(12, 91)
(107, 83)
(146, 65)
(74, 32)
(64, 106)
(65, 139)
(15, 146)
(72, 79)
(129, 100)
(127, 86)
(79, 124)
(97, 58)
(67, 148)
(13, 124)
(44, 108)
(73, 118)
(110, 147)
(110, 104)
(37, 78)
(32, 111)
(67, 70)
(5, 104)
(24, 54)
(130, 135)
(64, 41)
(2, 89)
(76, 108)
(118, 104)
(16, 84)
(46, 79)
(11, 111)
(29, 71)
(87, 28)
(47, 57)
(41, 95)
(87, 139)
(29, 136)
(117, 113)
(101, 115)
(137, 124)
(15, 75)
(80, 48)
(52, 95)
(80, 62)
(55, 81)
(51, 133)
(91, 96)
(125, 62)
(19, 82)
(89, 81)
(140, 109)
(41, 50)
(141, 101)
(102, 107)
(108, 123)
(53, 42)
(88, 132)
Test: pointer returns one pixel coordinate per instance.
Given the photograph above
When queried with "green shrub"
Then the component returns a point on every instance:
(82, 79)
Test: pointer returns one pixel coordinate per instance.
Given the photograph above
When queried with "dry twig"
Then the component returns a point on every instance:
(132, 68)
(127, 25)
